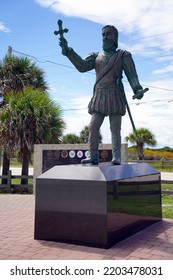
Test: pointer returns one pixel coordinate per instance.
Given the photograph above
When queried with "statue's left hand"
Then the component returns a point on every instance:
(140, 93)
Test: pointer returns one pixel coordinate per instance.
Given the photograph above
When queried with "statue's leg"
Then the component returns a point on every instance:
(94, 126)
(115, 127)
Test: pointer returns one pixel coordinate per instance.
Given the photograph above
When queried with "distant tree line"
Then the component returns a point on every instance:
(71, 138)
(164, 149)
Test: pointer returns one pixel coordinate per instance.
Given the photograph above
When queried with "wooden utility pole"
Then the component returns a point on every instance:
(9, 51)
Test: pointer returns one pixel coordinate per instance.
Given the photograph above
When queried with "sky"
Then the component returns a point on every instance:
(145, 29)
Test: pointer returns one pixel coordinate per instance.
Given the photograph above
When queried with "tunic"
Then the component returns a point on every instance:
(108, 92)
(107, 95)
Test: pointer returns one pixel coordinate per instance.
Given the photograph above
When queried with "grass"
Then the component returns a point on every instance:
(167, 206)
(160, 166)
(21, 190)
(167, 201)
(167, 187)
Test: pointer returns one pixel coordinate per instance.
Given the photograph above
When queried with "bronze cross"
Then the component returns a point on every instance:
(61, 31)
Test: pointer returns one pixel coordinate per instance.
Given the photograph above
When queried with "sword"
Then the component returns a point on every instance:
(128, 110)
(127, 105)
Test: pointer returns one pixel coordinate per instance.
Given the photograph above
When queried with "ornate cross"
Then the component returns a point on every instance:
(61, 31)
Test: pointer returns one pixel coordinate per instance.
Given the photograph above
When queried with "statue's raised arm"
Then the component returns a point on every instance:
(82, 65)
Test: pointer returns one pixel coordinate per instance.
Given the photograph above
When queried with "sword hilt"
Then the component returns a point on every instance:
(138, 94)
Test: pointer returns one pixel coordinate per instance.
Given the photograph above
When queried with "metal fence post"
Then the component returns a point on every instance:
(163, 163)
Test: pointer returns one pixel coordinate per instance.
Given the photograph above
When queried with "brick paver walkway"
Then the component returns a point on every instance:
(17, 242)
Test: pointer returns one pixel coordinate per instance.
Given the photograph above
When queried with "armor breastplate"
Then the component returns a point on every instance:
(110, 78)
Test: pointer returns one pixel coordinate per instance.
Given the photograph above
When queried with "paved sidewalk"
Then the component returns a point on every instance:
(17, 241)
(167, 176)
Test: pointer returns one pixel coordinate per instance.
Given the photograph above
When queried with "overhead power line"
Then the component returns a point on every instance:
(77, 109)
(130, 103)
(72, 67)
(155, 35)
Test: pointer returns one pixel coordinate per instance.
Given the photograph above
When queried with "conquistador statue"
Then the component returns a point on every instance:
(108, 92)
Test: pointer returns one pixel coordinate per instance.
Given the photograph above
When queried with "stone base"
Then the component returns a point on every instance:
(96, 205)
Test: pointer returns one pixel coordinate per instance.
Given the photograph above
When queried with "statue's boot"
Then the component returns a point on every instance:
(115, 161)
(116, 150)
(93, 159)
(94, 126)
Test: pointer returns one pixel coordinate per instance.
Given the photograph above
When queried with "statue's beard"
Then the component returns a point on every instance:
(108, 45)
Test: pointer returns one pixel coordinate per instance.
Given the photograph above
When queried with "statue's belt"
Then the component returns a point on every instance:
(105, 85)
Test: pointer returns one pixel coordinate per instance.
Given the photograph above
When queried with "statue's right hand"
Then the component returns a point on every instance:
(64, 45)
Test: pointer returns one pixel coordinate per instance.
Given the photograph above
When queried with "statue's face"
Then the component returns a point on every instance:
(108, 37)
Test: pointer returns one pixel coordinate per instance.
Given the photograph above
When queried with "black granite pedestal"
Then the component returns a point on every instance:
(96, 205)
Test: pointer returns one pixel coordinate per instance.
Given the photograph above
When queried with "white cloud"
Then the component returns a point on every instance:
(3, 28)
(148, 16)
(74, 123)
(146, 22)
(164, 70)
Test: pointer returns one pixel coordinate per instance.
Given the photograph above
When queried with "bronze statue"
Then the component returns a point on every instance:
(108, 94)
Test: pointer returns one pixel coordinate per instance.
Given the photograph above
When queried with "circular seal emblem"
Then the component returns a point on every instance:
(79, 154)
(57, 154)
(72, 154)
(104, 154)
(64, 154)
(49, 154)
(87, 154)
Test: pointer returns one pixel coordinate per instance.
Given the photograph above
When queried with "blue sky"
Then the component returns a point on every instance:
(145, 29)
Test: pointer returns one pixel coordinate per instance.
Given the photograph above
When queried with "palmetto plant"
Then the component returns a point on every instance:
(84, 135)
(16, 73)
(140, 137)
(70, 138)
(29, 117)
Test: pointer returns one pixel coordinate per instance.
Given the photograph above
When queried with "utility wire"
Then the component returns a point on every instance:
(130, 103)
(71, 67)
(77, 109)
(151, 36)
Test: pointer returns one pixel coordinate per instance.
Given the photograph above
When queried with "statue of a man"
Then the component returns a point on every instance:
(108, 93)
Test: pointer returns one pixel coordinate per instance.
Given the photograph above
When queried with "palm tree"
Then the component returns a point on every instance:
(70, 138)
(29, 117)
(84, 135)
(15, 74)
(140, 137)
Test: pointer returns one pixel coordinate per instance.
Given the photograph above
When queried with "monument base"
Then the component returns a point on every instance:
(96, 205)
